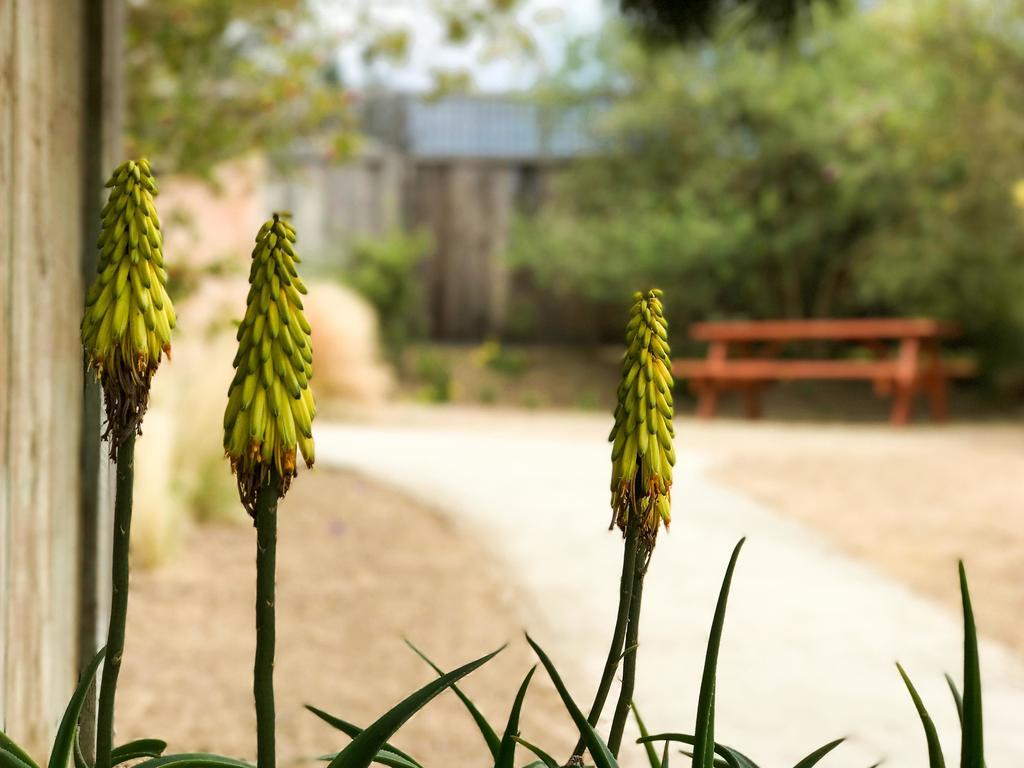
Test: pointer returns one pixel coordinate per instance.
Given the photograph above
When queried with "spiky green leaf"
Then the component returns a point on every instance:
(11, 760)
(64, 743)
(599, 751)
(957, 700)
(488, 732)
(815, 757)
(935, 756)
(194, 760)
(352, 731)
(507, 750)
(731, 757)
(364, 747)
(546, 760)
(652, 753)
(7, 744)
(704, 744)
(135, 750)
(972, 746)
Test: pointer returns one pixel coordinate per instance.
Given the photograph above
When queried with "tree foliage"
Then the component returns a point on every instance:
(679, 20)
(867, 169)
(208, 80)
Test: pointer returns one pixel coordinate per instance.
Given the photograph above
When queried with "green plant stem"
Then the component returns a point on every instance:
(263, 668)
(629, 661)
(125, 477)
(611, 664)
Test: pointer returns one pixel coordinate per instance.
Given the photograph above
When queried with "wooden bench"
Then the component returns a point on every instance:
(904, 360)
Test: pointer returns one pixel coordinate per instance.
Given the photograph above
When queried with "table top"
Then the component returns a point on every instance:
(793, 330)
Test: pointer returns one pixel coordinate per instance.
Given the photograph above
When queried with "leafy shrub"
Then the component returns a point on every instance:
(384, 271)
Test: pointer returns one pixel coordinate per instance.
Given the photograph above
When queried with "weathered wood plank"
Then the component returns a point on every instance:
(6, 294)
(42, 94)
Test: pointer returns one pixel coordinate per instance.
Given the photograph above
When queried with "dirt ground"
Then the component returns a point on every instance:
(910, 501)
(359, 567)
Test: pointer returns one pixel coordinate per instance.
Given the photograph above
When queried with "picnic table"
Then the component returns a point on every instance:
(904, 359)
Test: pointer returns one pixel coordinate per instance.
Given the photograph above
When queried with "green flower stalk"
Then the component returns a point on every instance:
(269, 417)
(126, 328)
(270, 405)
(642, 459)
(642, 450)
(128, 315)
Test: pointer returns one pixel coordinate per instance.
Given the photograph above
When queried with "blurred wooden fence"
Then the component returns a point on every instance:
(55, 102)
(467, 205)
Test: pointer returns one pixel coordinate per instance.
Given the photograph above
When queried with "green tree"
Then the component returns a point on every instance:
(209, 80)
(808, 181)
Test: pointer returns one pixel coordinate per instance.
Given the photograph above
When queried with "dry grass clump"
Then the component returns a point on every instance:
(190, 479)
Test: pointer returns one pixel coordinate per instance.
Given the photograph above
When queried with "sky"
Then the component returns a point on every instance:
(550, 23)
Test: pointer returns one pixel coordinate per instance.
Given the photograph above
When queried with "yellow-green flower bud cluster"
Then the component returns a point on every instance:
(128, 315)
(270, 405)
(642, 451)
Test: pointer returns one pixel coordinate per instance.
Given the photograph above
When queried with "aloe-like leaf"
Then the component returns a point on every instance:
(80, 761)
(935, 757)
(664, 756)
(546, 760)
(732, 757)
(7, 744)
(599, 751)
(957, 700)
(364, 747)
(134, 750)
(194, 760)
(815, 757)
(507, 750)
(488, 732)
(352, 731)
(64, 743)
(972, 746)
(652, 753)
(11, 760)
(384, 757)
(704, 733)
(720, 762)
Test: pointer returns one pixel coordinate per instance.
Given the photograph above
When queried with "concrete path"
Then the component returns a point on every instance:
(811, 635)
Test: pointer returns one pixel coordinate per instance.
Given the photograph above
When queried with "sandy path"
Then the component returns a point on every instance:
(911, 501)
(359, 566)
(812, 633)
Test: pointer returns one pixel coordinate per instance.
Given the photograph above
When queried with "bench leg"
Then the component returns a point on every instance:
(752, 401)
(938, 398)
(902, 401)
(707, 400)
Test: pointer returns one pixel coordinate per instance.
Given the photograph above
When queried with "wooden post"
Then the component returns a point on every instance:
(936, 383)
(47, 122)
(907, 370)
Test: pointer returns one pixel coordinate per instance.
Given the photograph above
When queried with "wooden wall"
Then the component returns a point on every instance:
(468, 206)
(48, 123)
(333, 204)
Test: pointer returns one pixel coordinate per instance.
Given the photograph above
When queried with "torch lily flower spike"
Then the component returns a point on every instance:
(128, 316)
(270, 405)
(642, 450)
